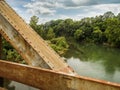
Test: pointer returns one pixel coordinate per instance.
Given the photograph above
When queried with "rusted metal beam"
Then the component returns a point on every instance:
(27, 42)
(0, 46)
(50, 80)
(2, 88)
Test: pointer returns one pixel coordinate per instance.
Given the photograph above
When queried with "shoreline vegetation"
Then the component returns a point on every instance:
(103, 29)
(62, 34)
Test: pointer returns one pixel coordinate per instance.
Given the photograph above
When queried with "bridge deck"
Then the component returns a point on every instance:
(27, 42)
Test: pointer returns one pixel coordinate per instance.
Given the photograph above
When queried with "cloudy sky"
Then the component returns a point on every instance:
(48, 10)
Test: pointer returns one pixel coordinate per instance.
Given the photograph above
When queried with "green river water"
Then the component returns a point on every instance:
(95, 61)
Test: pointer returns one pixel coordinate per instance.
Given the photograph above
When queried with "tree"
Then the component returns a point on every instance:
(97, 34)
(33, 23)
(60, 45)
(100, 29)
(118, 16)
(78, 35)
(107, 15)
(113, 32)
(50, 34)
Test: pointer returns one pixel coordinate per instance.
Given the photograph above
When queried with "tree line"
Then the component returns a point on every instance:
(103, 29)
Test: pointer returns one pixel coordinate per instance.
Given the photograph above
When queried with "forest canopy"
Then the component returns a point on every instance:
(103, 29)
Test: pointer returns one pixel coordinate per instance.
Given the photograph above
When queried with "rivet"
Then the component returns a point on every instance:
(39, 52)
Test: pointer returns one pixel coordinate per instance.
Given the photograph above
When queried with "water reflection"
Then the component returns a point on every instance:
(95, 61)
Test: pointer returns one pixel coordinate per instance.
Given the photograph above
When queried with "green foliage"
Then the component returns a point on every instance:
(50, 34)
(78, 35)
(38, 28)
(97, 34)
(47, 32)
(33, 22)
(103, 29)
(60, 45)
(113, 32)
(118, 16)
(108, 15)
(10, 54)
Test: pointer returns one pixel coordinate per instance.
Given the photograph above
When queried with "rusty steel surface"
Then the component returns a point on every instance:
(2, 88)
(49, 80)
(0, 46)
(27, 42)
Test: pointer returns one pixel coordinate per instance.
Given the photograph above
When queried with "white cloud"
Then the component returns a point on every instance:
(86, 11)
(96, 10)
(41, 11)
(46, 7)
(115, 8)
(80, 2)
(16, 3)
(62, 9)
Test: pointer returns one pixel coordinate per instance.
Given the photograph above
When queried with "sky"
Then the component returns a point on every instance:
(48, 10)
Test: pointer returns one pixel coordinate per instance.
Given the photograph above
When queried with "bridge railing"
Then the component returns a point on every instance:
(50, 80)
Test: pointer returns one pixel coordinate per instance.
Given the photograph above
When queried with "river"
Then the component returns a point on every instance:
(95, 61)
(89, 60)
